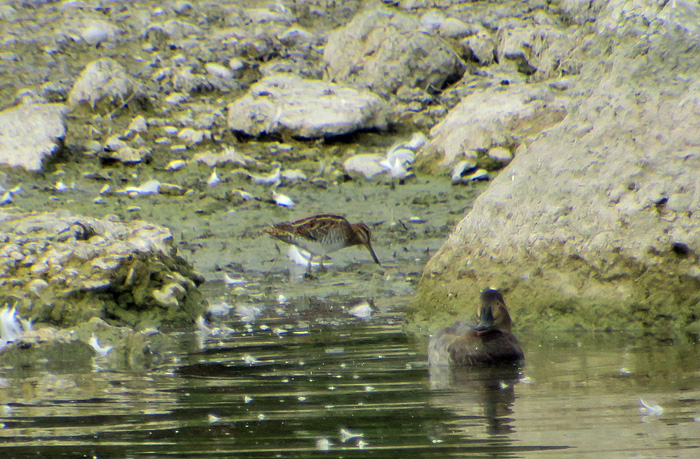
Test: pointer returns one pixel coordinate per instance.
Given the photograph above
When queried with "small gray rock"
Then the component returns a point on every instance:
(104, 80)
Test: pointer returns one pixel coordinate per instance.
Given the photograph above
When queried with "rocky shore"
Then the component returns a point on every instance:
(593, 224)
(584, 112)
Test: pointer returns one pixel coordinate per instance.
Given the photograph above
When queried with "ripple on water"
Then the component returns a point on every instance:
(359, 388)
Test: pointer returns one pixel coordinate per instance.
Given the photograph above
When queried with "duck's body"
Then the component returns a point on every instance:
(488, 342)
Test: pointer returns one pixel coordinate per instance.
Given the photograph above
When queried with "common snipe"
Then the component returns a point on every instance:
(322, 234)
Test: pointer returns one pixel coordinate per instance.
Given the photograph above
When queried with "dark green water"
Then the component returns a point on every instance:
(299, 380)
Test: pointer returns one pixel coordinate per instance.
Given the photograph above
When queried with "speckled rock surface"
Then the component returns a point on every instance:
(29, 134)
(289, 105)
(103, 81)
(595, 224)
(506, 116)
(384, 50)
(63, 269)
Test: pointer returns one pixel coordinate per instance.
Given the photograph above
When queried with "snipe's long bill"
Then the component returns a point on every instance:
(322, 234)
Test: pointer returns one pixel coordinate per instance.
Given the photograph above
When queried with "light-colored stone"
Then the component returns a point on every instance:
(454, 28)
(364, 164)
(545, 50)
(481, 47)
(493, 118)
(500, 154)
(103, 80)
(228, 155)
(98, 31)
(31, 133)
(129, 155)
(286, 104)
(384, 49)
(595, 224)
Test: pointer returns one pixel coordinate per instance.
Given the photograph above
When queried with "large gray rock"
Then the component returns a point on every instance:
(384, 50)
(64, 269)
(503, 116)
(289, 105)
(31, 133)
(596, 224)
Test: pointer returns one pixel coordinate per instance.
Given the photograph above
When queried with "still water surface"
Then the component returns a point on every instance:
(331, 385)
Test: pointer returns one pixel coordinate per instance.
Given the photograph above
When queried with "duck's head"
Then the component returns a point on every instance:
(493, 313)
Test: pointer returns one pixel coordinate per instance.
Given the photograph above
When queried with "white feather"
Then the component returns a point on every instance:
(282, 200)
(102, 351)
(213, 179)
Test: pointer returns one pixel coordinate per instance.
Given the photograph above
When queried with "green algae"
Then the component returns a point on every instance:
(563, 295)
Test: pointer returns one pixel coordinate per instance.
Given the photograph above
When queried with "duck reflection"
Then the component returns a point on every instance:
(473, 392)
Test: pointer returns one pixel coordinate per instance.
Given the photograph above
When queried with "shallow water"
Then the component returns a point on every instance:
(301, 380)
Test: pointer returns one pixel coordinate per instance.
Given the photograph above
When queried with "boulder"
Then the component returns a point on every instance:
(63, 269)
(103, 81)
(501, 116)
(384, 50)
(31, 133)
(595, 225)
(288, 105)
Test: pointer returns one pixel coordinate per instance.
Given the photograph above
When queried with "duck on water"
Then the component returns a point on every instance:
(490, 342)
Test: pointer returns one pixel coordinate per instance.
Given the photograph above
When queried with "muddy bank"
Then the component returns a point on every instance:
(218, 232)
(149, 136)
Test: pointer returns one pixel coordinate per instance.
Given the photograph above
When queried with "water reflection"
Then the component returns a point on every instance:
(485, 393)
(325, 382)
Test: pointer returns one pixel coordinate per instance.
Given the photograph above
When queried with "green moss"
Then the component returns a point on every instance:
(562, 295)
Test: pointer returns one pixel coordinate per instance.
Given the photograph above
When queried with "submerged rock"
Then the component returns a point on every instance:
(31, 133)
(108, 269)
(287, 104)
(93, 343)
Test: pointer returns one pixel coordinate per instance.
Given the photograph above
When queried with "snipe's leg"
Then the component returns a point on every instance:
(308, 266)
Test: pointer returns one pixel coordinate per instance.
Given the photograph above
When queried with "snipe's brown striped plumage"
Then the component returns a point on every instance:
(322, 234)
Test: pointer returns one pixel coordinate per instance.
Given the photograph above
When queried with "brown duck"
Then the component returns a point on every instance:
(489, 342)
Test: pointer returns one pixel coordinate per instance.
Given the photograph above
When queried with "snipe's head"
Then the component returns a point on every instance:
(493, 313)
(363, 236)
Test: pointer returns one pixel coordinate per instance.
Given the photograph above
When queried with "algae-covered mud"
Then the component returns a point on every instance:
(194, 116)
(221, 233)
